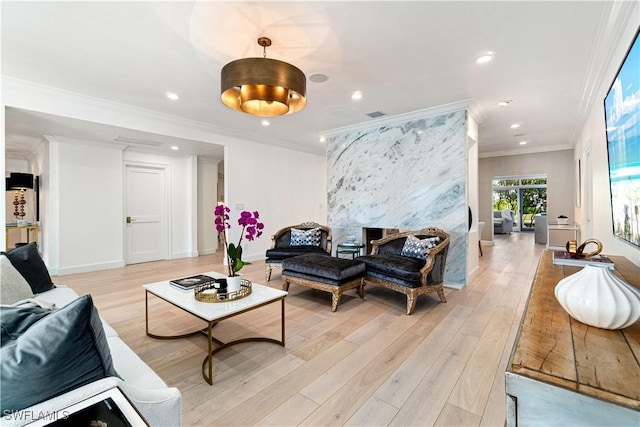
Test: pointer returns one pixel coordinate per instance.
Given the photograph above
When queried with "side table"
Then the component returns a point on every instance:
(559, 234)
(352, 249)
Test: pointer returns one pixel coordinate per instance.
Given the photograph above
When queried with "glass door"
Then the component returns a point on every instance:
(525, 197)
(533, 202)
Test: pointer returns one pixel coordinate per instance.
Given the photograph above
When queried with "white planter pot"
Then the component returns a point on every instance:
(233, 283)
(597, 297)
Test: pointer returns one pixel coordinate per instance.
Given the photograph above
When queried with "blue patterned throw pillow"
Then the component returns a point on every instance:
(417, 248)
(309, 237)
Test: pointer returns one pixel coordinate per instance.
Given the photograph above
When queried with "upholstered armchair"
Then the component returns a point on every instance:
(414, 269)
(294, 240)
(502, 221)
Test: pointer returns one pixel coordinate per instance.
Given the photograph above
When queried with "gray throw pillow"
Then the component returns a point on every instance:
(15, 320)
(311, 237)
(13, 287)
(417, 248)
(61, 351)
(27, 261)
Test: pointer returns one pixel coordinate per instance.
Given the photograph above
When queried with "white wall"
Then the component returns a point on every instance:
(285, 186)
(207, 200)
(86, 225)
(557, 165)
(591, 149)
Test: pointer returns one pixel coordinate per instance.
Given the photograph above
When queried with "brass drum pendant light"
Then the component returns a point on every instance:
(263, 87)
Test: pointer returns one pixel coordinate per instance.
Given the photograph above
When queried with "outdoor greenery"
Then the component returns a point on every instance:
(532, 192)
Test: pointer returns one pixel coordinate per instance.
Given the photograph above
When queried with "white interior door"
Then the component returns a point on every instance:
(147, 231)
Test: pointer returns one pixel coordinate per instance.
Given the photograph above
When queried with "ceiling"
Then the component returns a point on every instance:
(403, 57)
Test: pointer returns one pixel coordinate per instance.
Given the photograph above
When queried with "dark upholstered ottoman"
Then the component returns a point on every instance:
(324, 273)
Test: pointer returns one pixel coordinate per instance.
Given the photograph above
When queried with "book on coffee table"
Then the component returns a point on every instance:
(191, 281)
(563, 258)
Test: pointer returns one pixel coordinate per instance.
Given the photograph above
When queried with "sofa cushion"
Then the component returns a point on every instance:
(310, 237)
(291, 251)
(61, 351)
(14, 287)
(27, 261)
(417, 248)
(407, 269)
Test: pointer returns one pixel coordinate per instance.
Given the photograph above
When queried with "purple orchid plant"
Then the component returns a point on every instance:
(251, 230)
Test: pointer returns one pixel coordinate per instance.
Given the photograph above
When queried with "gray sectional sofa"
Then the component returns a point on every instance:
(57, 351)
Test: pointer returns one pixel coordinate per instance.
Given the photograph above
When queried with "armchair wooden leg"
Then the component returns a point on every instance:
(411, 303)
(441, 295)
(268, 271)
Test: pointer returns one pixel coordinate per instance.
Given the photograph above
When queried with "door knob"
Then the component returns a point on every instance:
(129, 220)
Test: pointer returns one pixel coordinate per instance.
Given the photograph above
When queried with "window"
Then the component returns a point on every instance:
(526, 196)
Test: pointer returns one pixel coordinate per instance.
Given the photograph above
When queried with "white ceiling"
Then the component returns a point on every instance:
(403, 56)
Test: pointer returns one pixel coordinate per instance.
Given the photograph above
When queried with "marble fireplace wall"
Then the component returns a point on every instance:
(407, 175)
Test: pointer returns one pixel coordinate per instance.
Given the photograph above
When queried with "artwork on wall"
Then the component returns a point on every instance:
(622, 117)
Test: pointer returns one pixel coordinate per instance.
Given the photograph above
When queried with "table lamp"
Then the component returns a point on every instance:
(19, 182)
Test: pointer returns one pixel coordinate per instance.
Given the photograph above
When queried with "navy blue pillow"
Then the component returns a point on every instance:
(60, 352)
(27, 261)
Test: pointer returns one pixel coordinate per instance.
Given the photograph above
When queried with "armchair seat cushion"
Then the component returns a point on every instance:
(278, 254)
(405, 270)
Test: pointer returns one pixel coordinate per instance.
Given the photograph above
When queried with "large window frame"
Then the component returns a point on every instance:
(517, 187)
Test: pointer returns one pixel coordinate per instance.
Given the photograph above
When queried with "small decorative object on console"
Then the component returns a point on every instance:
(576, 251)
(563, 220)
(597, 297)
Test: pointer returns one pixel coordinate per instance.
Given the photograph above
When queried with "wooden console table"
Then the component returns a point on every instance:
(30, 229)
(563, 372)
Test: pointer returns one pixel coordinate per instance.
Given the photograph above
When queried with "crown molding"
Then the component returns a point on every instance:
(46, 99)
(515, 152)
(465, 105)
(613, 23)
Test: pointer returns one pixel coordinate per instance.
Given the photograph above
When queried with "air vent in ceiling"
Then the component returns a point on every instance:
(130, 140)
(376, 114)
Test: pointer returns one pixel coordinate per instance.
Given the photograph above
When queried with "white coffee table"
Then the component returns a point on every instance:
(213, 313)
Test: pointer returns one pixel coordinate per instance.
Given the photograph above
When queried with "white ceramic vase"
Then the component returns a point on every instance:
(597, 297)
(233, 283)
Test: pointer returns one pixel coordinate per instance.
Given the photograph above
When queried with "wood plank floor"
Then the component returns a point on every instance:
(368, 364)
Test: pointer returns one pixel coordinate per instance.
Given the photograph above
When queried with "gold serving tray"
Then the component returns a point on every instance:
(201, 294)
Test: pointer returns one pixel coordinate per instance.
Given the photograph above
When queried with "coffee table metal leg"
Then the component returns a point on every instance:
(207, 363)
(166, 337)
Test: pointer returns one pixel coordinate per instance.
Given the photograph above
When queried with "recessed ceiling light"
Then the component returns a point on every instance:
(522, 142)
(356, 95)
(265, 122)
(323, 139)
(318, 78)
(515, 126)
(175, 148)
(485, 57)
(172, 96)
(503, 103)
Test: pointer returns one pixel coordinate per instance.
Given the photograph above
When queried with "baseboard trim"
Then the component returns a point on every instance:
(456, 286)
(207, 251)
(87, 268)
(178, 255)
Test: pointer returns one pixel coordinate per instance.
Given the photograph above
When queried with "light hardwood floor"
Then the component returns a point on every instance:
(368, 364)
